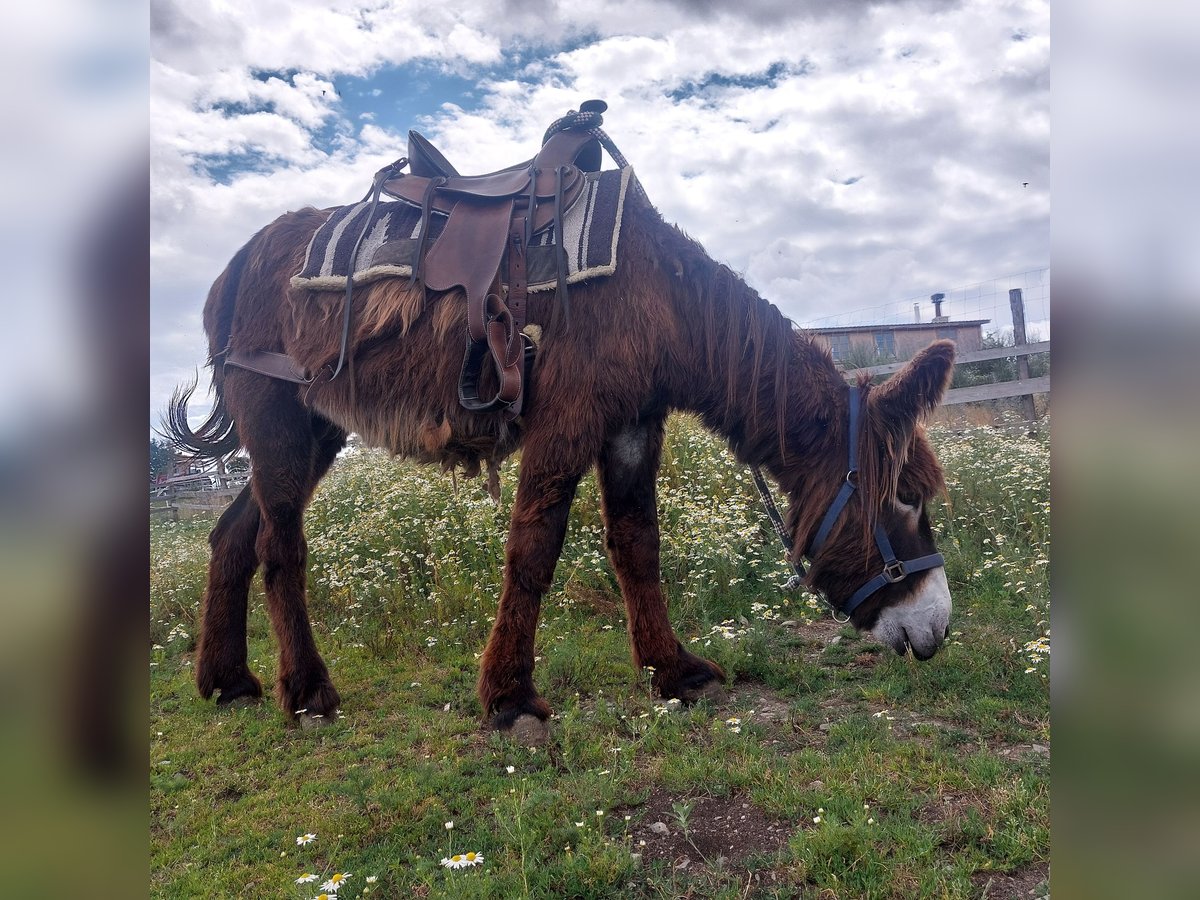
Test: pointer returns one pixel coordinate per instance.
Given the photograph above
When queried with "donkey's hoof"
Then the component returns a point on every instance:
(712, 691)
(315, 722)
(529, 731)
(241, 701)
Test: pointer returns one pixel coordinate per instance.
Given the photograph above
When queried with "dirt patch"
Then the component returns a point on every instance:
(1018, 751)
(762, 704)
(722, 832)
(816, 636)
(951, 807)
(1033, 882)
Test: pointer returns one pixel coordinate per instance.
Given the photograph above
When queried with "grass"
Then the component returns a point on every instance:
(927, 779)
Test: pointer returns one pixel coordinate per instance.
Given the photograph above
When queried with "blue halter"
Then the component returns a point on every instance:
(894, 569)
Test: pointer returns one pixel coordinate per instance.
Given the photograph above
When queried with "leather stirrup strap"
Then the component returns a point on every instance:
(504, 344)
(418, 267)
(561, 255)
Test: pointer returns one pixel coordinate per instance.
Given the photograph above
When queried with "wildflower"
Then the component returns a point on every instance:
(450, 826)
(306, 878)
(305, 839)
(462, 860)
(325, 897)
(510, 769)
(816, 820)
(336, 880)
(371, 879)
(871, 821)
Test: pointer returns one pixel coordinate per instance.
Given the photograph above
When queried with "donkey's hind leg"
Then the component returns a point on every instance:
(290, 450)
(221, 653)
(628, 466)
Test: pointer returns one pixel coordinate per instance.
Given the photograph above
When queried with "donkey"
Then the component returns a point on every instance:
(671, 330)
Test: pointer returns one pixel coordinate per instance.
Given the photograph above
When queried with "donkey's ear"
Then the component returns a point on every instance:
(914, 391)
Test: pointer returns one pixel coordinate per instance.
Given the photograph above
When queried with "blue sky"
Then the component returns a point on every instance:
(907, 144)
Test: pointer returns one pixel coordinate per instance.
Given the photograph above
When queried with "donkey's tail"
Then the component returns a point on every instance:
(217, 436)
(214, 438)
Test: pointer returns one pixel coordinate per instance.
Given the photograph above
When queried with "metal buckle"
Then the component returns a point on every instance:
(894, 571)
(852, 478)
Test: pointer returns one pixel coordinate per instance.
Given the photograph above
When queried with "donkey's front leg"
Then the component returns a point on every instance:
(535, 538)
(628, 467)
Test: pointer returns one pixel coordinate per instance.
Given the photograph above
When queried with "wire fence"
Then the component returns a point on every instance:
(982, 300)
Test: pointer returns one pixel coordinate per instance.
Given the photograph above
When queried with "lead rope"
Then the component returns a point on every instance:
(588, 118)
(796, 581)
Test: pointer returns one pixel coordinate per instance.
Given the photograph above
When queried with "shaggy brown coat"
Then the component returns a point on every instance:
(672, 329)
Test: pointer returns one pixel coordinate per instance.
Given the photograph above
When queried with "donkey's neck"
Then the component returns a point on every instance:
(751, 376)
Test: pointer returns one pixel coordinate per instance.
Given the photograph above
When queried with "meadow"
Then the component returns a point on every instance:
(836, 769)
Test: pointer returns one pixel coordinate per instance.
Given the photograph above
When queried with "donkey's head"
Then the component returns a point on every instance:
(871, 545)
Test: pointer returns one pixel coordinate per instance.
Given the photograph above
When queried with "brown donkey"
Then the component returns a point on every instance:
(671, 329)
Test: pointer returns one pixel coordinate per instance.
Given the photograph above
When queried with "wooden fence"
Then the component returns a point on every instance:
(185, 498)
(1024, 386)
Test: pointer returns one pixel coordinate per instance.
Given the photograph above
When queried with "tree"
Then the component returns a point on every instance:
(162, 457)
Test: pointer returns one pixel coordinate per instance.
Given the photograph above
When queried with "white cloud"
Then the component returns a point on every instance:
(936, 110)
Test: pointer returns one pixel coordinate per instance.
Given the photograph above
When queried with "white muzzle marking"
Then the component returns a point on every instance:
(920, 620)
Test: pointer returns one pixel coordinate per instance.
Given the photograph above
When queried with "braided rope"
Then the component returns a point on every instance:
(590, 122)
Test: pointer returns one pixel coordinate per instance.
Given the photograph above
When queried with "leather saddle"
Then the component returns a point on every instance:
(490, 222)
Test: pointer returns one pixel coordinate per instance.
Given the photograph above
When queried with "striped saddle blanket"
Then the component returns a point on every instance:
(590, 230)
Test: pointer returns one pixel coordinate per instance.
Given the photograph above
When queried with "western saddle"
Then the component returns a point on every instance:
(490, 221)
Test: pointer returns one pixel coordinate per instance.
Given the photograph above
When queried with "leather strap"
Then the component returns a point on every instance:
(266, 362)
(561, 290)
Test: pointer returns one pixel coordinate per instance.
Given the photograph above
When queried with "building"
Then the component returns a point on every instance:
(885, 343)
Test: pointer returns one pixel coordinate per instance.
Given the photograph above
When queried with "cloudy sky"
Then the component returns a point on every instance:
(906, 144)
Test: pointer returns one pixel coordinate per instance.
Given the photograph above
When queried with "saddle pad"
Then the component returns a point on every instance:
(590, 229)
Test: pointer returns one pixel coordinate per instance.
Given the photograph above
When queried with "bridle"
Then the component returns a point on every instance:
(894, 569)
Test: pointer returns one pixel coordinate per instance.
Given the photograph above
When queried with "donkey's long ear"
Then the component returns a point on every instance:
(913, 392)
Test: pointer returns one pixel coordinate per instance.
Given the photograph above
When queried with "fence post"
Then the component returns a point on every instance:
(1017, 302)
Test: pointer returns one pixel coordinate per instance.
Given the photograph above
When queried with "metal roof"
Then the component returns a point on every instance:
(899, 326)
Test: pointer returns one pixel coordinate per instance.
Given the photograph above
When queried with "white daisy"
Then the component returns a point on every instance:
(335, 881)
(305, 839)
(306, 878)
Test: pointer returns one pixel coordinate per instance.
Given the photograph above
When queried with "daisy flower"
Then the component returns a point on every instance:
(305, 839)
(306, 878)
(462, 860)
(336, 880)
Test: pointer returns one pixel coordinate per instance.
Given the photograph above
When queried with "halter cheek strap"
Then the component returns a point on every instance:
(894, 569)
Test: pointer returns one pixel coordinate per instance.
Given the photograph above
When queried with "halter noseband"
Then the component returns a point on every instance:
(894, 569)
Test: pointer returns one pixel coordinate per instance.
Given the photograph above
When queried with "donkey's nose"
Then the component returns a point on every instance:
(924, 643)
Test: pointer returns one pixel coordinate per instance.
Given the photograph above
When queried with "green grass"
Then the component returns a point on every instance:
(925, 777)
